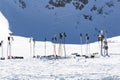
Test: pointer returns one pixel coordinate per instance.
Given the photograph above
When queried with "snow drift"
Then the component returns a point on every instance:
(4, 27)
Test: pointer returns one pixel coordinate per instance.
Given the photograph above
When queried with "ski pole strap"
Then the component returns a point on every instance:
(65, 34)
(81, 34)
(8, 38)
(45, 39)
(87, 37)
(55, 39)
(61, 35)
(1, 43)
(100, 37)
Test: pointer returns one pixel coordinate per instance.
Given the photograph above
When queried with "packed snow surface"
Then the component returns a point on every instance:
(63, 69)
(71, 68)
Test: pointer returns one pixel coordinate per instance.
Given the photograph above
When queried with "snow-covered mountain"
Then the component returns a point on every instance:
(4, 28)
(20, 46)
(98, 68)
(43, 18)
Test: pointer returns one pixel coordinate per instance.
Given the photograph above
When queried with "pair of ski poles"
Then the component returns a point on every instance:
(54, 39)
(87, 43)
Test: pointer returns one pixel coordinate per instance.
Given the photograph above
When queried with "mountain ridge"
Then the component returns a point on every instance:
(43, 22)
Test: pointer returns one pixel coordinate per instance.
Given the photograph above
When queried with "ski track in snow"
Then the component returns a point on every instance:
(65, 69)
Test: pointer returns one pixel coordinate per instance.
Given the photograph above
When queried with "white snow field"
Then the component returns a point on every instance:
(79, 68)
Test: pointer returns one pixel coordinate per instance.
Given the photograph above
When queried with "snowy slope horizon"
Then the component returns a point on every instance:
(21, 45)
(43, 22)
(4, 27)
(98, 68)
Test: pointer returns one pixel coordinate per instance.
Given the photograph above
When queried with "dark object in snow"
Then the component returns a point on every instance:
(38, 56)
(85, 56)
(2, 58)
(15, 57)
(76, 54)
(8, 38)
(93, 55)
(100, 37)
(9, 57)
(52, 57)
(90, 56)
(9, 53)
(34, 56)
(0, 44)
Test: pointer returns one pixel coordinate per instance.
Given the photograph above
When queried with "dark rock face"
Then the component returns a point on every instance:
(78, 4)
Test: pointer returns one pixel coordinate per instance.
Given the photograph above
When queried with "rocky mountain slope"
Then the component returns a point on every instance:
(43, 18)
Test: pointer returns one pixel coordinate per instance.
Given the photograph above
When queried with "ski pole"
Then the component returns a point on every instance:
(87, 39)
(9, 47)
(33, 48)
(30, 41)
(45, 46)
(1, 48)
(60, 44)
(54, 43)
(64, 43)
(100, 38)
(81, 42)
(1, 45)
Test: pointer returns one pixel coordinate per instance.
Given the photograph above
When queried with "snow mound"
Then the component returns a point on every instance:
(114, 39)
(4, 27)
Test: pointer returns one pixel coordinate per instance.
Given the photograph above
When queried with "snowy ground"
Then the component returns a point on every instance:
(101, 68)
(62, 69)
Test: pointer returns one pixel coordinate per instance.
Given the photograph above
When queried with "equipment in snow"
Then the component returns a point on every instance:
(54, 39)
(17, 57)
(45, 45)
(87, 42)
(61, 36)
(105, 47)
(1, 45)
(105, 43)
(100, 38)
(81, 42)
(64, 43)
(9, 54)
(33, 48)
(60, 44)
(30, 45)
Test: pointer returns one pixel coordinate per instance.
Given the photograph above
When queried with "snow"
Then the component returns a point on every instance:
(64, 69)
(4, 27)
(4, 32)
(79, 68)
